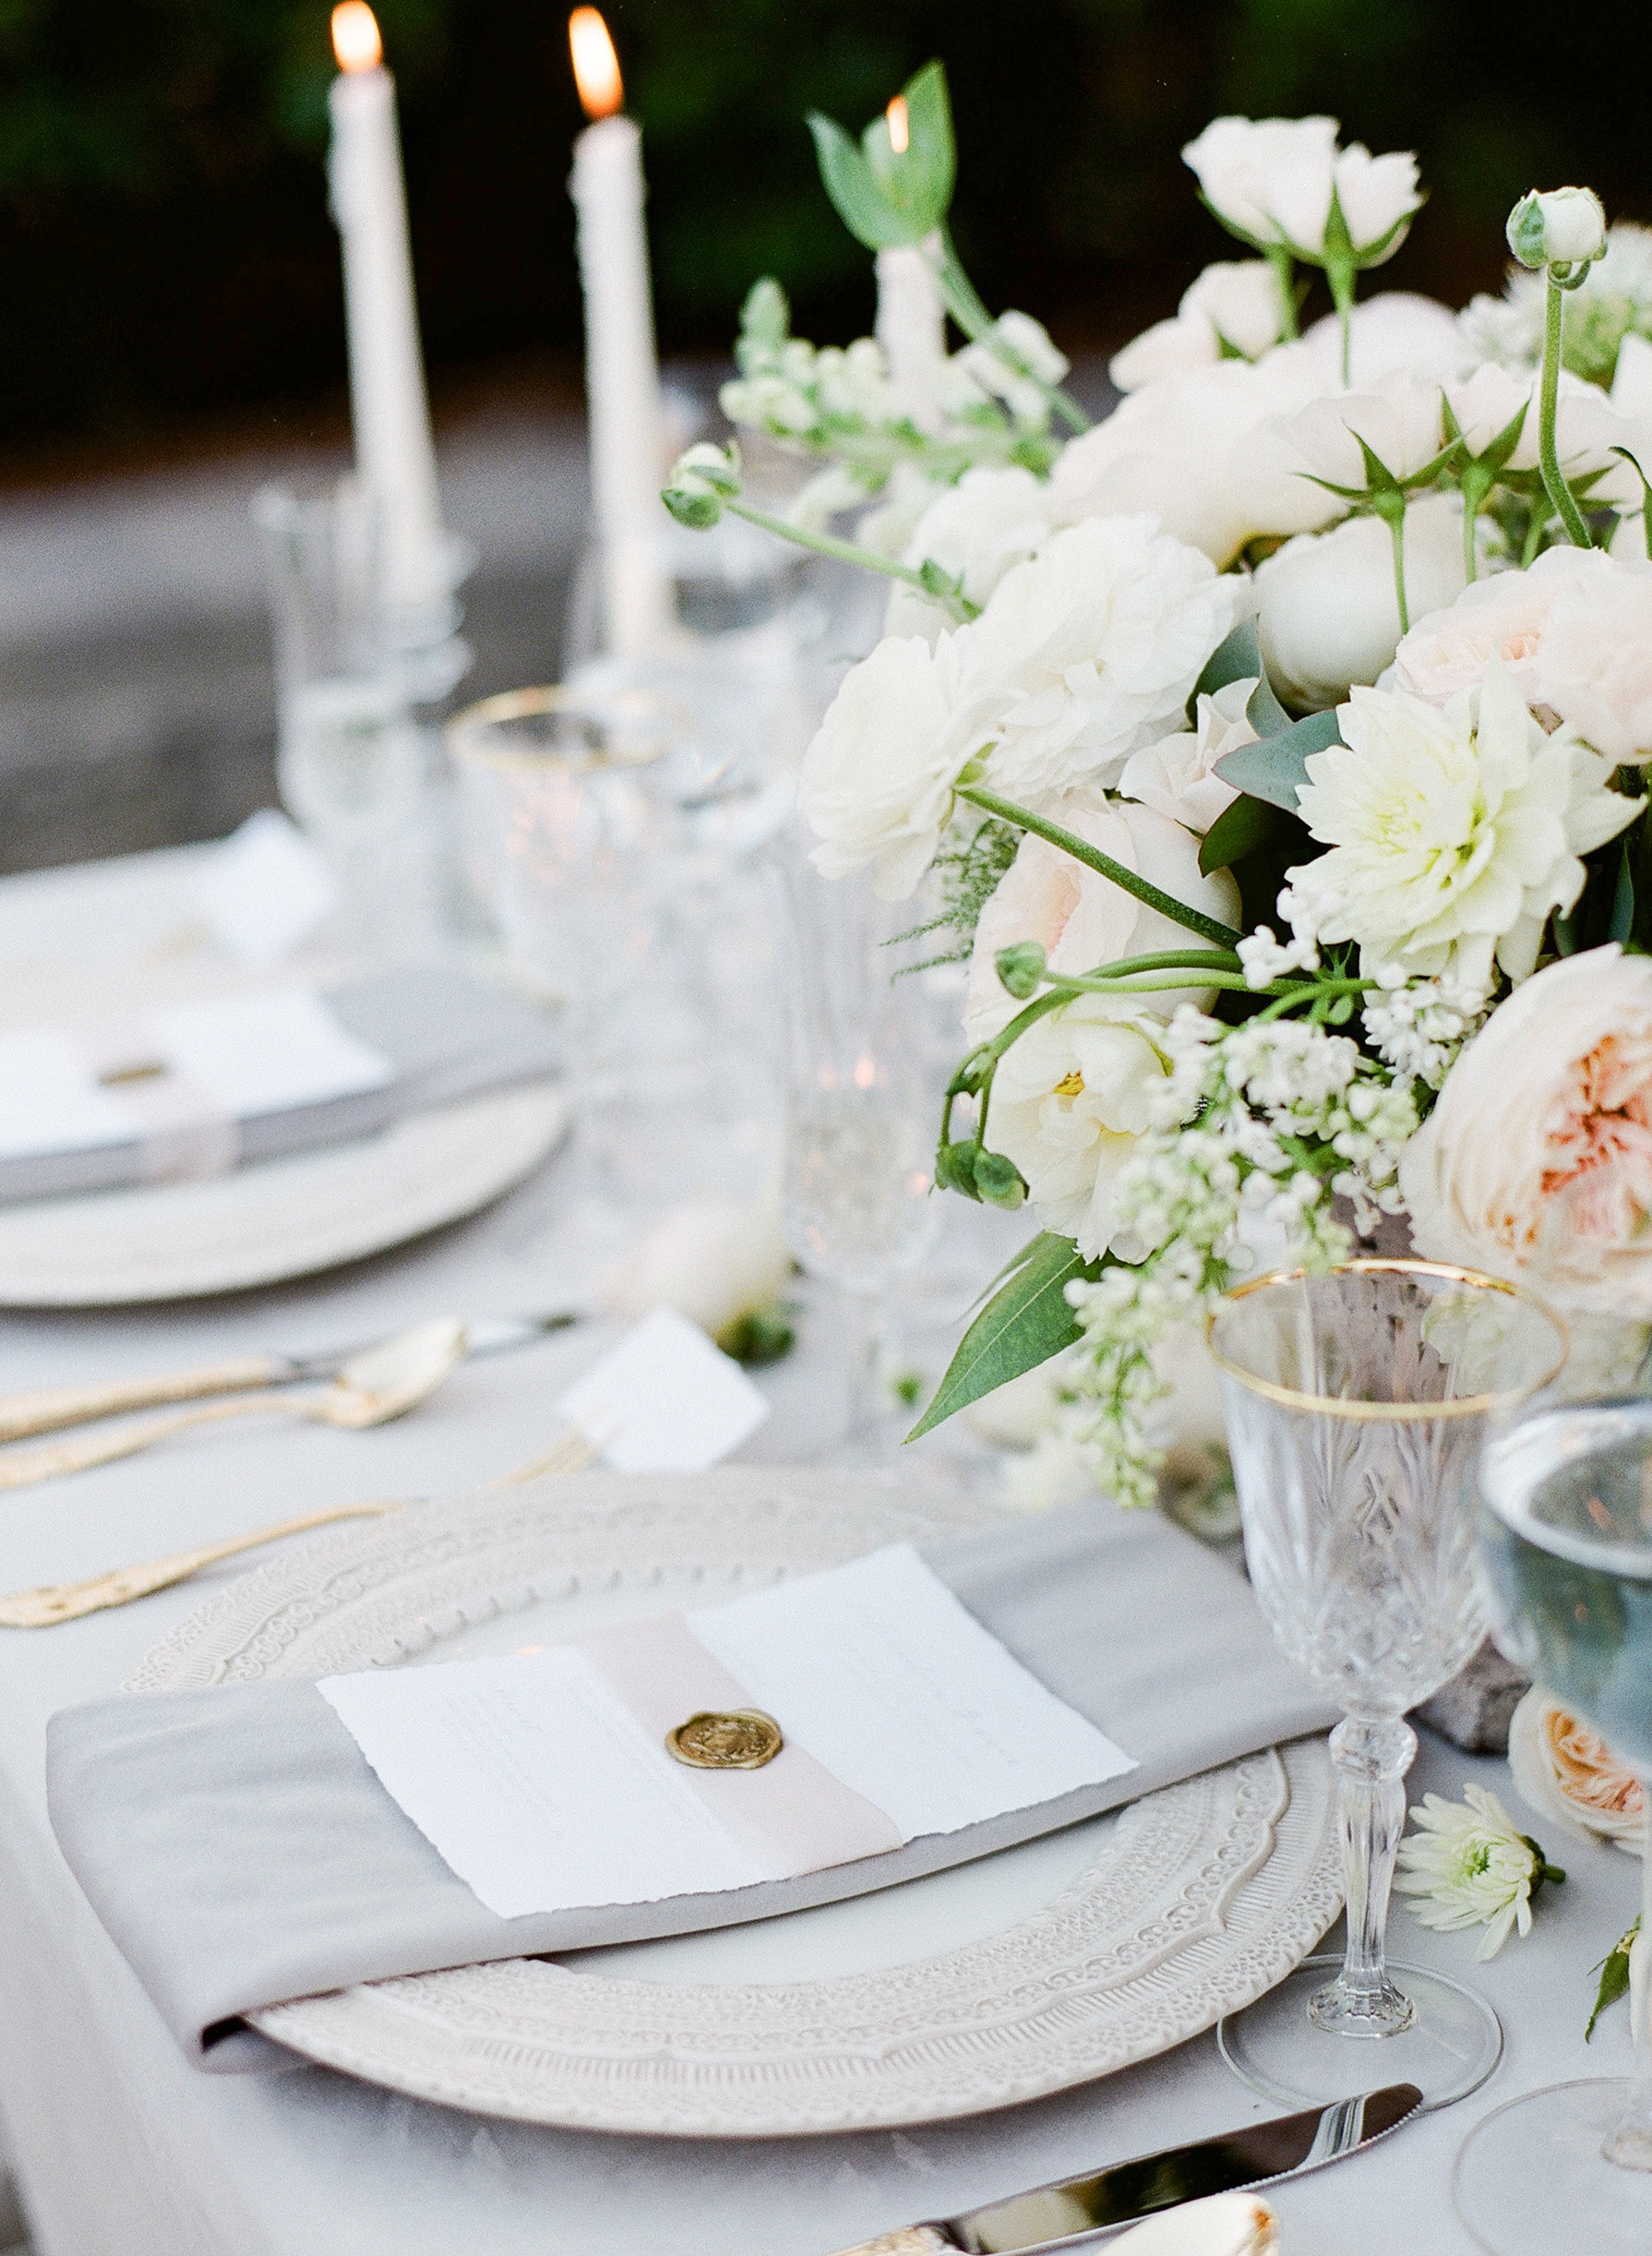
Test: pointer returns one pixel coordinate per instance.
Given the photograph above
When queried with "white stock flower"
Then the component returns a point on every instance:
(1453, 832)
(1089, 652)
(1185, 448)
(1469, 1866)
(1398, 417)
(976, 531)
(1271, 180)
(1536, 1162)
(1028, 343)
(1177, 775)
(1070, 1102)
(1081, 920)
(1564, 1771)
(877, 782)
(1328, 614)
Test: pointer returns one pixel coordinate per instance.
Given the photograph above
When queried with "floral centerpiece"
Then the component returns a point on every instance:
(1274, 749)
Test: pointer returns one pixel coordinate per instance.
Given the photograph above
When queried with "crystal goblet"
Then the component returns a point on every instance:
(1357, 1403)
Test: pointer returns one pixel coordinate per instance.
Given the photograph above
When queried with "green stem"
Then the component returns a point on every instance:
(1341, 279)
(1554, 485)
(958, 608)
(1285, 274)
(1397, 533)
(1293, 996)
(1209, 927)
(1533, 536)
(961, 300)
(1478, 482)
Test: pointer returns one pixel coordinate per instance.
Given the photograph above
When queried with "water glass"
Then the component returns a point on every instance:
(1566, 1554)
(1357, 1403)
(861, 1106)
(350, 759)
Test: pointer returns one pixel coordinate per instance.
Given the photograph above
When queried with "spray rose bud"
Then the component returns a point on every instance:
(1558, 227)
(701, 481)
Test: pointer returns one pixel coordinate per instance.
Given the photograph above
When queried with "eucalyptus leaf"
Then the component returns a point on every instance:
(1236, 658)
(1623, 904)
(1277, 769)
(1025, 1322)
(1244, 826)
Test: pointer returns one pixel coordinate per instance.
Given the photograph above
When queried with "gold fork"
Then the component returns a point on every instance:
(66, 1601)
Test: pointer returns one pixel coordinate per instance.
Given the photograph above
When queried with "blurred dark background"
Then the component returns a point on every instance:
(167, 253)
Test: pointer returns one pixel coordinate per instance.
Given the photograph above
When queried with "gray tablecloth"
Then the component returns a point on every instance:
(239, 1850)
(448, 1035)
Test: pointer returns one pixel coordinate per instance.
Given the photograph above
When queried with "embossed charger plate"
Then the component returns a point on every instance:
(1019, 1974)
(282, 1218)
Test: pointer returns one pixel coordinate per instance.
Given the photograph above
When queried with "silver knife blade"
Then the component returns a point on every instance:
(484, 1336)
(1054, 2218)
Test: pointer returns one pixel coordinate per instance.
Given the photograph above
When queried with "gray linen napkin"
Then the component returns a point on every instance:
(240, 1851)
(448, 1035)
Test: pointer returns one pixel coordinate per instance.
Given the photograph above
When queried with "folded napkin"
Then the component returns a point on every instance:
(198, 1088)
(240, 1851)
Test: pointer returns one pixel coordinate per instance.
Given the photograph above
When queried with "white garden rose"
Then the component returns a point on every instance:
(1398, 417)
(1184, 447)
(1565, 1772)
(1272, 181)
(1168, 348)
(1453, 832)
(877, 782)
(1378, 196)
(1395, 330)
(1081, 920)
(1594, 661)
(1536, 1164)
(1504, 618)
(1177, 775)
(976, 531)
(1070, 1102)
(1089, 652)
(1328, 616)
(1234, 309)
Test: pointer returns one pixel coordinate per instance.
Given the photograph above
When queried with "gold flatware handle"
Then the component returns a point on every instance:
(23, 1468)
(51, 1408)
(66, 1601)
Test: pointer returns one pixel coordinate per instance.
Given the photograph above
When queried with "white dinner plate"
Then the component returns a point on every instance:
(282, 1218)
(1018, 1975)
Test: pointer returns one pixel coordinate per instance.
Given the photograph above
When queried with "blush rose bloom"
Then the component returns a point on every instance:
(1082, 919)
(1564, 1771)
(1536, 1164)
(1504, 618)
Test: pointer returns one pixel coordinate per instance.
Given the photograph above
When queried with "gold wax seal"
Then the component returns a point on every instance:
(726, 1739)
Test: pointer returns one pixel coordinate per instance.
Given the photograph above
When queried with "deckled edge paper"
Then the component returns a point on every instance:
(543, 1782)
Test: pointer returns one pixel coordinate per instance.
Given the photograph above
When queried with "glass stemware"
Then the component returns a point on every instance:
(1566, 1557)
(860, 1112)
(1357, 1403)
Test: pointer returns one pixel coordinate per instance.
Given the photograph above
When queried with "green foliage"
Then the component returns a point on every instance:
(1025, 1322)
(1277, 769)
(886, 197)
(974, 855)
(1248, 824)
(1614, 1975)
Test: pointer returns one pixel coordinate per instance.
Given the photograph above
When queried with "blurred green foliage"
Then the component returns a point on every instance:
(164, 245)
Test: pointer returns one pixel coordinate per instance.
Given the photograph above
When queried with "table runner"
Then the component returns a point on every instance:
(240, 1852)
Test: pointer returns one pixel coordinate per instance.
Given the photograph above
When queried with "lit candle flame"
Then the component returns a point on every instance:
(355, 39)
(900, 132)
(596, 67)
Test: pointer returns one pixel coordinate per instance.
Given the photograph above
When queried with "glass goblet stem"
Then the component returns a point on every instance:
(1372, 1755)
(1629, 2142)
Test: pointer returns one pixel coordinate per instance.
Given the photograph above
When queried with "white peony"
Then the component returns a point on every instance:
(1177, 775)
(1536, 1162)
(1453, 832)
(1185, 448)
(877, 782)
(1070, 1101)
(1328, 614)
(1081, 920)
(1089, 652)
(976, 531)
(1234, 309)
(1272, 181)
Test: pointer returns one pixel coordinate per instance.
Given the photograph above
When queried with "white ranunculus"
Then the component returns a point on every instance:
(1395, 330)
(877, 782)
(1536, 1163)
(1453, 832)
(1256, 173)
(1176, 777)
(1377, 196)
(1594, 661)
(1558, 227)
(1089, 652)
(1398, 417)
(1328, 616)
(976, 531)
(1082, 919)
(1071, 1101)
(1239, 299)
(1185, 448)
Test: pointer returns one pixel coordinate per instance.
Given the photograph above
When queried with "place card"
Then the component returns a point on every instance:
(665, 1400)
(544, 1782)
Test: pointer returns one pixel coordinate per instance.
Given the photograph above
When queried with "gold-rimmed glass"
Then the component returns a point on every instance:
(1357, 1403)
